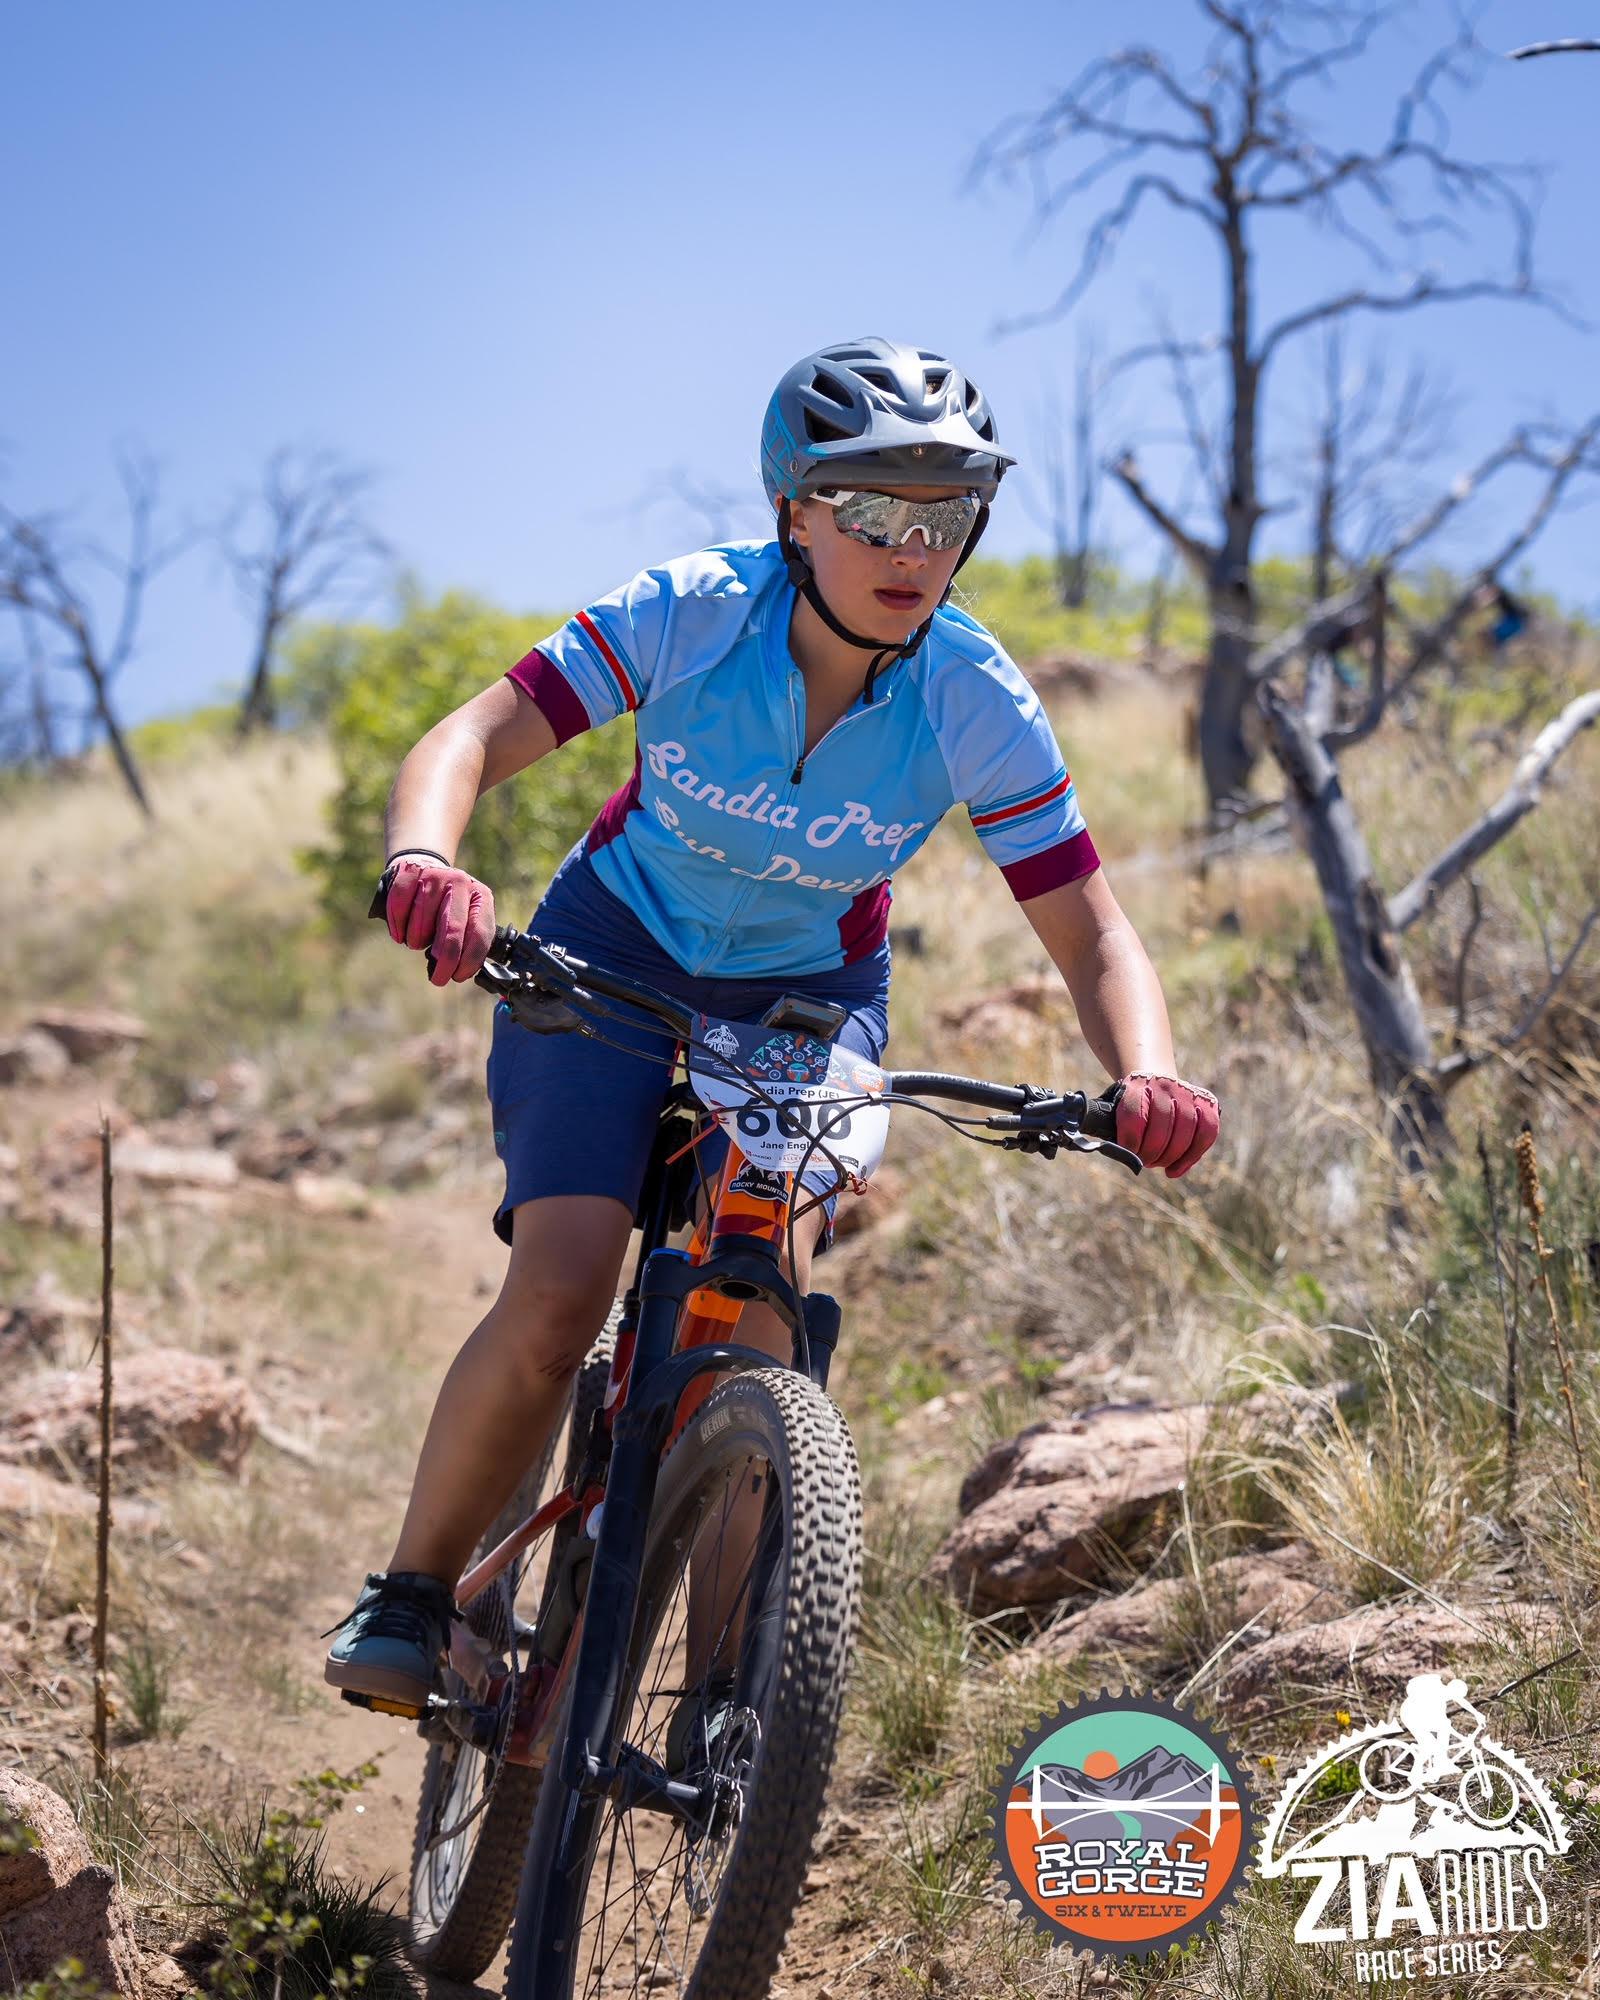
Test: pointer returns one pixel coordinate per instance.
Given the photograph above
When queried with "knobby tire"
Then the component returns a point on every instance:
(809, 1610)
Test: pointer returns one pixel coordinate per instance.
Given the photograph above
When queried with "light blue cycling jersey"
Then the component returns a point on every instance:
(739, 856)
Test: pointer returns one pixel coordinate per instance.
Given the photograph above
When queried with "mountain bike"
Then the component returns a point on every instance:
(699, 1561)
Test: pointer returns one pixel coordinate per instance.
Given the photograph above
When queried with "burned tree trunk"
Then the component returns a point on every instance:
(1382, 991)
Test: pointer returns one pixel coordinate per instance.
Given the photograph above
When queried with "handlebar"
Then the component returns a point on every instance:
(521, 967)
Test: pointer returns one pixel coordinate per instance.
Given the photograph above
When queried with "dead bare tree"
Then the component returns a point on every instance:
(42, 584)
(1229, 145)
(1371, 441)
(1072, 475)
(313, 546)
(1307, 738)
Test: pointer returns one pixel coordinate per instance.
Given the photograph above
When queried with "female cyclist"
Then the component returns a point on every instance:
(806, 711)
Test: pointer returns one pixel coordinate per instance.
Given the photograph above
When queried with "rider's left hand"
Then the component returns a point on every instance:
(1167, 1122)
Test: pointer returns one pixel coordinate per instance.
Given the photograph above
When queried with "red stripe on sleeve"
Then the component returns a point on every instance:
(630, 694)
(981, 820)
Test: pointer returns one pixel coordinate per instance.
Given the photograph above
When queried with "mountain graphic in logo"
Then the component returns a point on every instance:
(1158, 1795)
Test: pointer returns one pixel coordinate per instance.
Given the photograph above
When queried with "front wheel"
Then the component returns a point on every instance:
(618, 1900)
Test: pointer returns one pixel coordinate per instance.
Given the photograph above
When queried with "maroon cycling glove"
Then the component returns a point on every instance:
(430, 906)
(1167, 1122)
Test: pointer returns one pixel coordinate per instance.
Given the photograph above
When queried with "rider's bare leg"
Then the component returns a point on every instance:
(723, 1556)
(505, 1388)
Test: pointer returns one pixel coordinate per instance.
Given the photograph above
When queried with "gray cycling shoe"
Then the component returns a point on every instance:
(698, 1723)
(388, 1647)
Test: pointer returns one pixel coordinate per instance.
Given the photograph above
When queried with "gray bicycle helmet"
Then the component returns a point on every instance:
(874, 408)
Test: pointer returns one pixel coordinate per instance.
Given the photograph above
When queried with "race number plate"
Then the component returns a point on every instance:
(816, 1089)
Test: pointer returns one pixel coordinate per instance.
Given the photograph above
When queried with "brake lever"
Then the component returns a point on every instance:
(1048, 1141)
(532, 1007)
(1080, 1142)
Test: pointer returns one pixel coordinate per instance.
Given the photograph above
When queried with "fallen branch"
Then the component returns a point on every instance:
(1518, 799)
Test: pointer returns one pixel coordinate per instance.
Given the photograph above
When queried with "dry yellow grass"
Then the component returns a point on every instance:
(1101, 1286)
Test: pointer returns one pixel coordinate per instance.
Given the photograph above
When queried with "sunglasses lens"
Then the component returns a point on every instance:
(883, 522)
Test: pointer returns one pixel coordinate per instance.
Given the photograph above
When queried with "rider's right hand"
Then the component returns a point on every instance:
(432, 907)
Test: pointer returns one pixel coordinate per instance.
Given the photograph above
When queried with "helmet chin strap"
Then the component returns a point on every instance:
(801, 577)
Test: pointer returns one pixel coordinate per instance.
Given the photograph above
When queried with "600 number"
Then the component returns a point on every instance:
(796, 1120)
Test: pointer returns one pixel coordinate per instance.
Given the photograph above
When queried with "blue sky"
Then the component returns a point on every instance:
(522, 261)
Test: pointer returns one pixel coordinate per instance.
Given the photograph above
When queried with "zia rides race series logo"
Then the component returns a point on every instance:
(1419, 1844)
(1123, 1824)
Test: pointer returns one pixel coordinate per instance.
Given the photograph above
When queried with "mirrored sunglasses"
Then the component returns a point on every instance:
(882, 521)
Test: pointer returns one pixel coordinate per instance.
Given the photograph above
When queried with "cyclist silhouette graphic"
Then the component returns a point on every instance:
(1426, 1713)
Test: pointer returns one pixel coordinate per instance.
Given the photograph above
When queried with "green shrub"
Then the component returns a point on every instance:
(397, 683)
(292, 1927)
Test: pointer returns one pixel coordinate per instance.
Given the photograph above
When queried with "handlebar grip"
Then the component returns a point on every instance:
(1100, 1115)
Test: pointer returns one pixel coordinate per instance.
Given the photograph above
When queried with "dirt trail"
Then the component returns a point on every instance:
(344, 1339)
(444, 1236)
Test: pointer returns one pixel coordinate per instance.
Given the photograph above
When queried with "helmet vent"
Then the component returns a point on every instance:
(936, 378)
(830, 386)
(820, 431)
(880, 378)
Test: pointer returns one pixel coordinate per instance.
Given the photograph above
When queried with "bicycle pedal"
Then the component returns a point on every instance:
(381, 1705)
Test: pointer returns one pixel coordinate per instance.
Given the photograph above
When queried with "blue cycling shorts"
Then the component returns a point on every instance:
(574, 1116)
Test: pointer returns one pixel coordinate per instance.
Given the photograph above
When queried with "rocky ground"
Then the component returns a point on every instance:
(293, 1277)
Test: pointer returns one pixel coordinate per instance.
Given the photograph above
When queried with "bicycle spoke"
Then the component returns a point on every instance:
(650, 1891)
(611, 1861)
(659, 1924)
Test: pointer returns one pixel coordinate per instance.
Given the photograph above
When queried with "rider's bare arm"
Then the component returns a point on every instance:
(432, 905)
(1169, 1123)
(1113, 984)
(476, 746)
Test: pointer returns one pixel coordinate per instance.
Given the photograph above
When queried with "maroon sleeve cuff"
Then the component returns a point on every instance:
(551, 693)
(1067, 861)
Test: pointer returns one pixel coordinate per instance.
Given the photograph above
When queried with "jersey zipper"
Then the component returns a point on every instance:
(802, 755)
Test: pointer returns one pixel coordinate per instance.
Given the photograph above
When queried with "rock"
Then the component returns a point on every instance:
(88, 1033)
(170, 1406)
(70, 1151)
(87, 1920)
(60, 1852)
(164, 1978)
(175, 1166)
(1055, 1512)
(1048, 1513)
(1264, 1590)
(38, 1323)
(274, 1153)
(32, 1058)
(1007, 1013)
(26, 1492)
(1367, 1655)
(239, 1084)
(327, 1194)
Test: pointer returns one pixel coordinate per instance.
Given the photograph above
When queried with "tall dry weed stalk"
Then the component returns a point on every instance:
(102, 1539)
(1508, 1321)
(1533, 1202)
